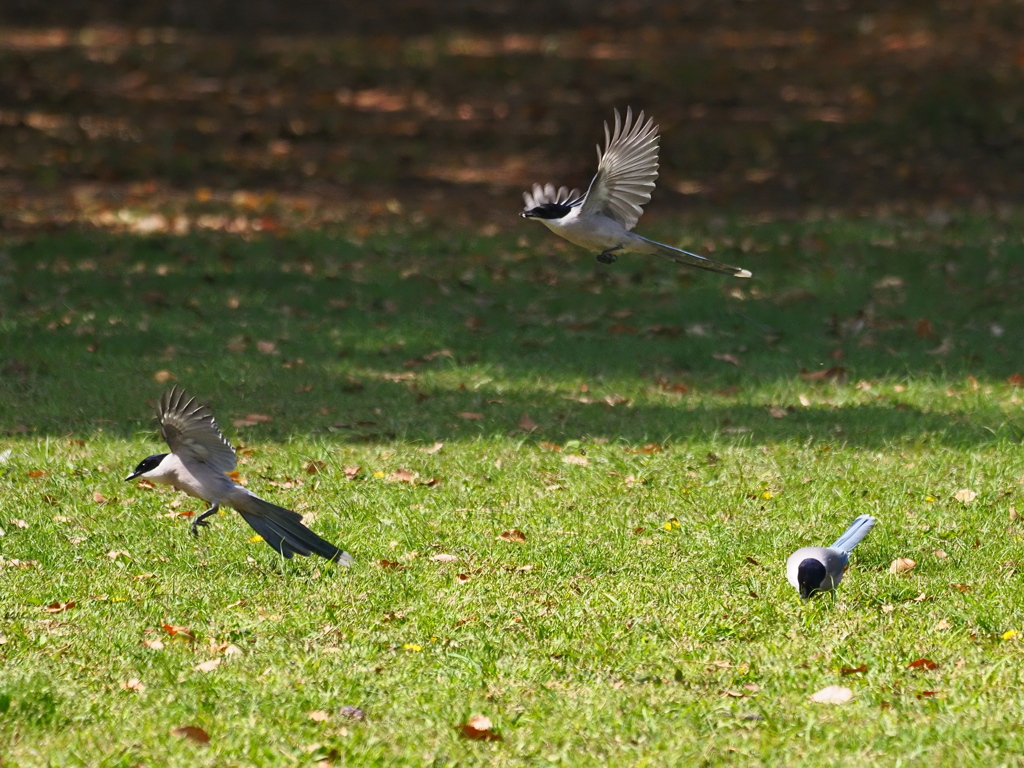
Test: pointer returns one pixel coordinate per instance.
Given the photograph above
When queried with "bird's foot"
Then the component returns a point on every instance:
(607, 257)
(194, 529)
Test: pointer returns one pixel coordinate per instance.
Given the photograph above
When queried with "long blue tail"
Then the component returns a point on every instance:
(852, 536)
(693, 260)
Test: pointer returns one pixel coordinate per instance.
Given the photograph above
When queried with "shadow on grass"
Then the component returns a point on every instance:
(423, 338)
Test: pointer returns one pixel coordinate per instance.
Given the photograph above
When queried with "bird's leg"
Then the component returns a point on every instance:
(608, 256)
(201, 519)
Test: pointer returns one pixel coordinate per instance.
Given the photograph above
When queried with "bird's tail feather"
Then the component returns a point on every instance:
(693, 260)
(283, 530)
(852, 536)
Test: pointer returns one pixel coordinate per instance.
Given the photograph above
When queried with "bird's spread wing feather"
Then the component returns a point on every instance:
(626, 170)
(539, 195)
(191, 432)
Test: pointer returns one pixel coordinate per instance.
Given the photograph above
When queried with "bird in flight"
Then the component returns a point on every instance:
(601, 219)
(199, 463)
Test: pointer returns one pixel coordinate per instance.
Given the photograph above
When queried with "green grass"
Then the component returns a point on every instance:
(612, 635)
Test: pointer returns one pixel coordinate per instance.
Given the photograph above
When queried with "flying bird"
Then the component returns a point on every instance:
(601, 219)
(199, 463)
(820, 569)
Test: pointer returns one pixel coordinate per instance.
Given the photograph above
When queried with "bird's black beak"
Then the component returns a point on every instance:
(527, 215)
(132, 476)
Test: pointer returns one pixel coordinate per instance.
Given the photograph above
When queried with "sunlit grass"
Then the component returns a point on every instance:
(659, 488)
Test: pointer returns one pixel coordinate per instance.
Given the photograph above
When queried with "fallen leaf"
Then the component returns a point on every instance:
(162, 377)
(922, 664)
(444, 558)
(133, 684)
(402, 476)
(314, 467)
(319, 716)
(965, 495)
(940, 554)
(1016, 380)
(924, 328)
(391, 564)
(351, 472)
(18, 523)
(902, 565)
(776, 412)
(942, 626)
(434, 448)
(725, 357)
(836, 373)
(853, 670)
(183, 633)
(961, 587)
(471, 416)
(60, 606)
(526, 423)
(478, 728)
(98, 497)
(192, 733)
(574, 458)
(37, 473)
(252, 420)
(833, 694)
(352, 712)
(926, 694)
(207, 666)
(514, 535)
(266, 347)
(154, 644)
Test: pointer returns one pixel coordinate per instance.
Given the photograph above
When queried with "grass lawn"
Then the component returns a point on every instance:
(647, 429)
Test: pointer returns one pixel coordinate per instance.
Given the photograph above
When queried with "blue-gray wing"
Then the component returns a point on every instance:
(192, 433)
(626, 170)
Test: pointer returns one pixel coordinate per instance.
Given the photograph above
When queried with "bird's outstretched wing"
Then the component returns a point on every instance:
(626, 170)
(539, 195)
(191, 432)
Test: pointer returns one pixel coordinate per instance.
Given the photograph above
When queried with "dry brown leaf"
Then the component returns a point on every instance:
(927, 664)
(514, 535)
(478, 728)
(207, 666)
(352, 472)
(319, 716)
(526, 423)
(836, 373)
(776, 412)
(833, 694)
(133, 684)
(192, 733)
(162, 377)
(314, 467)
(434, 448)
(965, 495)
(154, 644)
(902, 565)
(98, 497)
(402, 476)
(574, 458)
(924, 328)
(18, 523)
(252, 420)
(444, 558)
(391, 565)
(266, 347)
(182, 633)
(471, 416)
(60, 606)
(726, 357)
(853, 670)
(1016, 380)
(942, 626)
(940, 554)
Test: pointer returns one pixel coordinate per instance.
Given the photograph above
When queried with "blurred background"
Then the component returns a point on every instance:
(307, 112)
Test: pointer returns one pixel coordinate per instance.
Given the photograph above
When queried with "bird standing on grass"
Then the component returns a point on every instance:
(820, 569)
(198, 464)
(601, 219)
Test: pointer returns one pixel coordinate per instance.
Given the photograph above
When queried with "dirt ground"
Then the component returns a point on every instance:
(449, 110)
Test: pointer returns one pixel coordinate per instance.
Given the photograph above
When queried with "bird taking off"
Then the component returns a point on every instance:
(198, 464)
(601, 219)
